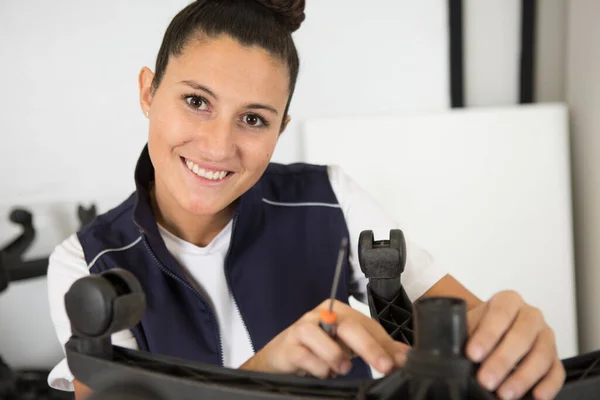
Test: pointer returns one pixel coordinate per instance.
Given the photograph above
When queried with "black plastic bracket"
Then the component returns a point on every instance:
(383, 263)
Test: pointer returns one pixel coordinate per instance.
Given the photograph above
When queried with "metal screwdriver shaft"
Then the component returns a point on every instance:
(328, 317)
(338, 270)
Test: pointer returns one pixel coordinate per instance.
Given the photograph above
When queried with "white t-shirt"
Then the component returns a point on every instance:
(205, 269)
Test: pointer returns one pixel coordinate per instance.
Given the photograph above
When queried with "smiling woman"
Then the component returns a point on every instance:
(236, 254)
(218, 111)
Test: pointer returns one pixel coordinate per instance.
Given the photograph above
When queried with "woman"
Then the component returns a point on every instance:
(236, 254)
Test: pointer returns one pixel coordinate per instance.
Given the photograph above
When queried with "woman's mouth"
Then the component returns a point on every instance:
(211, 175)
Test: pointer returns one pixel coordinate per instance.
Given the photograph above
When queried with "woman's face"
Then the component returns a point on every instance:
(214, 122)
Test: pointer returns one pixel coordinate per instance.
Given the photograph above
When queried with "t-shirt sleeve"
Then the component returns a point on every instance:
(66, 265)
(362, 212)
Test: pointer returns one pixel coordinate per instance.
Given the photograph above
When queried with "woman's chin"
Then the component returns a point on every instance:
(204, 208)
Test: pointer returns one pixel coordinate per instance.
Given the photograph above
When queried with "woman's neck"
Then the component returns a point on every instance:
(199, 230)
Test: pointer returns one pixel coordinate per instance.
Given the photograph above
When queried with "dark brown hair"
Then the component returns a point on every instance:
(265, 23)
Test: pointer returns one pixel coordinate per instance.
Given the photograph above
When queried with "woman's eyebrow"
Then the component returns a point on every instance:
(197, 86)
(256, 106)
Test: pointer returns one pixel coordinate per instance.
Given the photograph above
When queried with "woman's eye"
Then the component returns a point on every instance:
(196, 102)
(254, 120)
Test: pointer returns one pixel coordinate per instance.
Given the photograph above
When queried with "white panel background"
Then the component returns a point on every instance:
(487, 192)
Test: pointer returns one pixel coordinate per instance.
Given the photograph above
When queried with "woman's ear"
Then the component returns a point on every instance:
(285, 124)
(145, 85)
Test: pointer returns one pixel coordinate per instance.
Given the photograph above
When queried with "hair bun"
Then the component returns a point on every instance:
(290, 12)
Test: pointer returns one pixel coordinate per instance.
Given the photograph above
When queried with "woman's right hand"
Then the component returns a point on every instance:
(304, 348)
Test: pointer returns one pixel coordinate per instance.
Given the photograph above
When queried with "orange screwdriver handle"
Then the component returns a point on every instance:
(328, 322)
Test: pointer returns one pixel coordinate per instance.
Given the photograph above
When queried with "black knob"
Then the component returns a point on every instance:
(100, 305)
(89, 305)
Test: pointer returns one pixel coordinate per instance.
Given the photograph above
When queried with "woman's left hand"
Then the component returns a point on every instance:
(516, 348)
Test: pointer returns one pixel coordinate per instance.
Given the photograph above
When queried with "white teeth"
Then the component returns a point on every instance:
(212, 175)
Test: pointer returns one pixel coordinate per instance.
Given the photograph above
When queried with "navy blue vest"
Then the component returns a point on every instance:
(279, 266)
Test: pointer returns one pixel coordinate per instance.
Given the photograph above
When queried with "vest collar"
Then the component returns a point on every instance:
(143, 216)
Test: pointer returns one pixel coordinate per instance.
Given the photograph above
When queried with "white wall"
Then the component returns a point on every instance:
(583, 94)
(492, 42)
(72, 128)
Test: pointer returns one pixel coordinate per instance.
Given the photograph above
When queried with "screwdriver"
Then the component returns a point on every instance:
(328, 316)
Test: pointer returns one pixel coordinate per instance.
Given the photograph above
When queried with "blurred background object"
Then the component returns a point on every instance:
(30, 382)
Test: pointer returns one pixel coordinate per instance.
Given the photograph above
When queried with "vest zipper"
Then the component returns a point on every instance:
(235, 304)
(190, 287)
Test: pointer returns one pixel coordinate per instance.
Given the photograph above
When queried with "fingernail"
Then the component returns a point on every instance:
(507, 394)
(385, 363)
(489, 381)
(476, 353)
(345, 367)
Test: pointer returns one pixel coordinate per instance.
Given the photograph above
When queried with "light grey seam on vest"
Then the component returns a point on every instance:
(275, 203)
(103, 252)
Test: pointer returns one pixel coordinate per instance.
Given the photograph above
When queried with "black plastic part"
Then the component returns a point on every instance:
(583, 377)
(6, 380)
(23, 384)
(180, 379)
(27, 385)
(383, 262)
(395, 316)
(100, 305)
(4, 278)
(86, 215)
(28, 269)
(12, 269)
(442, 326)
(19, 245)
(436, 367)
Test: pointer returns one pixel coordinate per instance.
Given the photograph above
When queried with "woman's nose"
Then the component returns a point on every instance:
(217, 139)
